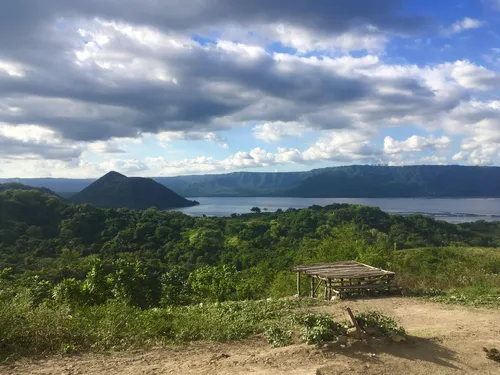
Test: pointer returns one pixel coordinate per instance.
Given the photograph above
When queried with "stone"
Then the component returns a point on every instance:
(354, 333)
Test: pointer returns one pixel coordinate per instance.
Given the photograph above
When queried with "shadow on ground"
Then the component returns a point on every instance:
(367, 353)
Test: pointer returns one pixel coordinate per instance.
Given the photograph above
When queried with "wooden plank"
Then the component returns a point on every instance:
(317, 286)
(335, 268)
(336, 275)
(298, 284)
(363, 286)
(353, 321)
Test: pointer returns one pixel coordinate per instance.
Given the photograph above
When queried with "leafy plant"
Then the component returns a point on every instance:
(378, 324)
(278, 335)
(318, 328)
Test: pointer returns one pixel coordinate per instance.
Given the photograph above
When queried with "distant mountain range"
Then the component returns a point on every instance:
(357, 181)
(115, 190)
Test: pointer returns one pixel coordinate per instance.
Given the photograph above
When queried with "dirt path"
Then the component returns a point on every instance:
(447, 340)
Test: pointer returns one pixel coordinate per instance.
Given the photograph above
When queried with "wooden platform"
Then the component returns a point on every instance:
(340, 278)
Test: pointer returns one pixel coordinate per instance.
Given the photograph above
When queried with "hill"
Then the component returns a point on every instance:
(115, 190)
(359, 181)
(362, 181)
(126, 276)
(356, 181)
(18, 186)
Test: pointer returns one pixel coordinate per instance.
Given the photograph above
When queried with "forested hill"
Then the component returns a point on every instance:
(42, 234)
(348, 181)
(408, 181)
(18, 186)
(115, 190)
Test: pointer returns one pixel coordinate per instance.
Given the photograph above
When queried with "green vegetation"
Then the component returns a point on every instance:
(468, 276)
(379, 324)
(18, 186)
(318, 328)
(115, 190)
(78, 277)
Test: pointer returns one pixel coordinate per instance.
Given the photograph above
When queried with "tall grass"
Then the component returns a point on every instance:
(462, 275)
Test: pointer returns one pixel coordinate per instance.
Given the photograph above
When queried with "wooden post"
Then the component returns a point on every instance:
(312, 287)
(329, 289)
(298, 284)
(354, 322)
(326, 290)
(317, 287)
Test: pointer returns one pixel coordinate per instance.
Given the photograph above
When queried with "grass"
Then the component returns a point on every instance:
(468, 276)
(55, 328)
(49, 328)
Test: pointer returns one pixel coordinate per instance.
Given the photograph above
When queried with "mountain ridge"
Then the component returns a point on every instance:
(360, 181)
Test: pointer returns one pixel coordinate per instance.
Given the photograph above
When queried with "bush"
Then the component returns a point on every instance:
(318, 328)
(69, 291)
(278, 336)
(378, 324)
(38, 290)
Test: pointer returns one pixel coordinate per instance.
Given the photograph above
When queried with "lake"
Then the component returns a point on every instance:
(451, 210)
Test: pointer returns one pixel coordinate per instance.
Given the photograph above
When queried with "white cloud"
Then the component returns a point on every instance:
(475, 77)
(126, 166)
(434, 159)
(11, 69)
(277, 130)
(166, 138)
(460, 156)
(369, 39)
(340, 146)
(344, 146)
(114, 145)
(462, 25)
(415, 143)
(32, 142)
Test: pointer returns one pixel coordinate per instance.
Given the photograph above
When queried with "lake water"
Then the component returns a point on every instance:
(451, 210)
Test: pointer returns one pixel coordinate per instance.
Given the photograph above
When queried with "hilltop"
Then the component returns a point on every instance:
(19, 186)
(115, 190)
(354, 181)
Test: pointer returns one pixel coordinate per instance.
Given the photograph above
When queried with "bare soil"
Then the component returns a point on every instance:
(445, 339)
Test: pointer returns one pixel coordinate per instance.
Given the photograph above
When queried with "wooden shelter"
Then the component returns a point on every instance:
(344, 278)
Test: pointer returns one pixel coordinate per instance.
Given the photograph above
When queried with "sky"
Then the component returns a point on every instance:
(162, 88)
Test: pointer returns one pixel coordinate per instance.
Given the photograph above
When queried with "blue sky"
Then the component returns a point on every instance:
(208, 86)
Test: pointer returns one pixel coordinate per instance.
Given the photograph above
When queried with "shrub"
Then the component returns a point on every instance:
(378, 324)
(278, 336)
(318, 328)
(69, 291)
(38, 290)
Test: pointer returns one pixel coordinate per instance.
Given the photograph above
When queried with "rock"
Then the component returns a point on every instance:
(397, 338)
(354, 333)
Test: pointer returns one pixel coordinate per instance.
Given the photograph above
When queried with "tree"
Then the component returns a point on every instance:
(69, 291)
(176, 289)
(255, 210)
(215, 284)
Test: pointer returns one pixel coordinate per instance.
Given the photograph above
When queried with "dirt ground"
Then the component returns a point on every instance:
(445, 340)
